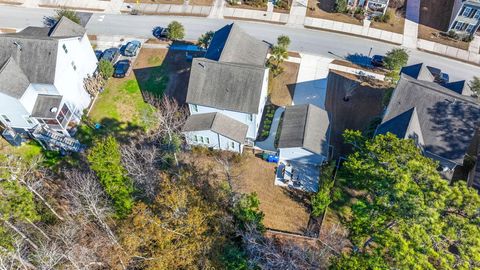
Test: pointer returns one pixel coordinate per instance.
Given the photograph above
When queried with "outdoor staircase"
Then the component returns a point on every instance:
(55, 141)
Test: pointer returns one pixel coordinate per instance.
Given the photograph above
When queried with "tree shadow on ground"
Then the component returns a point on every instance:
(171, 76)
(122, 131)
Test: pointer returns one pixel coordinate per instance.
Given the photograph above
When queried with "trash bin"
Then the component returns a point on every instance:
(265, 156)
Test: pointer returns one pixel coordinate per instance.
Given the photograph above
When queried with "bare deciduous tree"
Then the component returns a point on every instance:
(88, 197)
(141, 160)
(270, 254)
(170, 116)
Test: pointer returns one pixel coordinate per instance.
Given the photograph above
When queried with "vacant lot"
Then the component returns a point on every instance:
(282, 87)
(434, 18)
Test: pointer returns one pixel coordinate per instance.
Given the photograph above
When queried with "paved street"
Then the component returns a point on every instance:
(303, 40)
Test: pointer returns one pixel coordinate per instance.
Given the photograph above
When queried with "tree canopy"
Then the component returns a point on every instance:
(205, 39)
(395, 59)
(71, 14)
(105, 159)
(408, 216)
(175, 31)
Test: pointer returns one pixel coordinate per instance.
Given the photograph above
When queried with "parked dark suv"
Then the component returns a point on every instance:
(122, 68)
(110, 55)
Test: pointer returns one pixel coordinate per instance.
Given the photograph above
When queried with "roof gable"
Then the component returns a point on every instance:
(218, 123)
(67, 28)
(13, 81)
(231, 44)
(420, 72)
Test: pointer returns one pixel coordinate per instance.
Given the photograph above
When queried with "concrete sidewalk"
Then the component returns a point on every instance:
(412, 19)
(298, 12)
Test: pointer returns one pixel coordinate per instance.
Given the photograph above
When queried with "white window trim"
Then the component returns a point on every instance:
(466, 11)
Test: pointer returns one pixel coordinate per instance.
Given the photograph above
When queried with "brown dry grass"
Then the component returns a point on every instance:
(428, 33)
(396, 23)
(255, 175)
(282, 87)
(315, 11)
(201, 2)
(246, 7)
(281, 211)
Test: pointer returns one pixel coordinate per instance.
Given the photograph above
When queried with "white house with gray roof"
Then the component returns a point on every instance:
(230, 80)
(42, 73)
(465, 17)
(442, 121)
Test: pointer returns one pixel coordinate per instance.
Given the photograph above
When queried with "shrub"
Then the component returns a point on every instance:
(341, 6)
(105, 68)
(452, 34)
(256, 3)
(468, 38)
(175, 31)
(247, 211)
(71, 14)
(395, 59)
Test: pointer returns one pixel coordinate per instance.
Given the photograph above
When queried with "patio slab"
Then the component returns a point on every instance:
(305, 176)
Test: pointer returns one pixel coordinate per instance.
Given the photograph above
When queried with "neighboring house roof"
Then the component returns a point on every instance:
(35, 49)
(13, 81)
(447, 121)
(218, 123)
(305, 126)
(231, 44)
(420, 72)
(228, 86)
(46, 106)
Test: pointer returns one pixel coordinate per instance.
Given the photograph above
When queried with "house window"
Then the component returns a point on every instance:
(467, 11)
(470, 28)
(477, 14)
(73, 65)
(6, 118)
(458, 26)
(200, 139)
(232, 144)
(194, 108)
(195, 138)
(65, 48)
(207, 140)
(29, 121)
(250, 117)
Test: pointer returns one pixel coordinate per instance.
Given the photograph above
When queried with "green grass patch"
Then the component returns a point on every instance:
(154, 60)
(155, 80)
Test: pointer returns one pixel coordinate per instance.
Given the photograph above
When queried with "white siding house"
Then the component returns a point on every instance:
(216, 131)
(42, 72)
(232, 81)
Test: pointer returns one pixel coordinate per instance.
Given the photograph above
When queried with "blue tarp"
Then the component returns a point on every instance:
(185, 47)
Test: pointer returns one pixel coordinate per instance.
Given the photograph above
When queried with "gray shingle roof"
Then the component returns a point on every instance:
(36, 57)
(35, 48)
(67, 28)
(218, 123)
(447, 120)
(235, 87)
(420, 72)
(305, 126)
(46, 106)
(231, 44)
(13, 81)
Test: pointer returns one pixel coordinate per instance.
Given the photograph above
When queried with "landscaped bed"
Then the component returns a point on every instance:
(431, 34)
(395, 24)
(326, 10)
(172, 2)
(266, 123)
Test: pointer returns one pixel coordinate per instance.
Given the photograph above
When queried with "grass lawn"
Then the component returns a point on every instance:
(282, 87)
(396, 23)
(324, 9)
(26, 150)
(122, 102)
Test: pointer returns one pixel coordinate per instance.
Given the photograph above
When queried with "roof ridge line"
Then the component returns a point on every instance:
(305, 125)
(226, 41)
(447, 91)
